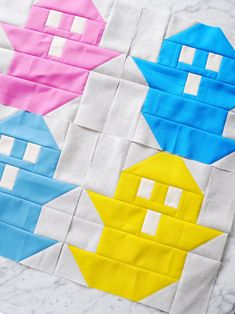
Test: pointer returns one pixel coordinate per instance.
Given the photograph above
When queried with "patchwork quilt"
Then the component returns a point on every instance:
(117, 148)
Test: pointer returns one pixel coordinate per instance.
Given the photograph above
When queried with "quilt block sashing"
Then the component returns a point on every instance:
(117, 149)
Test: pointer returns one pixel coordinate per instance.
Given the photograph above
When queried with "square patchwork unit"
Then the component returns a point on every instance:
(117, 149)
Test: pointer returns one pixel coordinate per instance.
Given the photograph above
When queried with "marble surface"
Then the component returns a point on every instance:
(27, 291)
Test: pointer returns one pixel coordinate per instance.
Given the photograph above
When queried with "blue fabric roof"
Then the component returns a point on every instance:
(29, 127)
(205, 37)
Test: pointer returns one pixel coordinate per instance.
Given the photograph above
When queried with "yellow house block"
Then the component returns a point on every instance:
(145, 241)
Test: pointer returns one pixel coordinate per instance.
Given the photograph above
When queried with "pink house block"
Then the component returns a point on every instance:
(54, 53)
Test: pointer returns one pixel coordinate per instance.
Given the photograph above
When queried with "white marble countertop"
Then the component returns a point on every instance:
(27, 291)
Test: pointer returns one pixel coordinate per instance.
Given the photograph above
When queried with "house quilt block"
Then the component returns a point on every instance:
(117, 141)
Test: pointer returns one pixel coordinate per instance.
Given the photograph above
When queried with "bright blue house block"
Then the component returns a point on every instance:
(192, 89)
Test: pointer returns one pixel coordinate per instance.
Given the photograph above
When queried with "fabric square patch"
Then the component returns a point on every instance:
(78, 25)
(6, 144)
(187, 55)
(213, 62)
(192, 84)
(54, 18)
(173, 197)
(57, 46)
(151, 222)
(9, 177)
(31, 153)
(145, 188)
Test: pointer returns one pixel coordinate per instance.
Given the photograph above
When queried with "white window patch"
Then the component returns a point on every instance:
(9, 177)
(151, 222)
(57, 46)
(192, 84)
(173, 197)
(78, 25)
(31, 153)
(213, 62)
(145, 188)
(187, 54)
(6, 144)
(54, 18)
